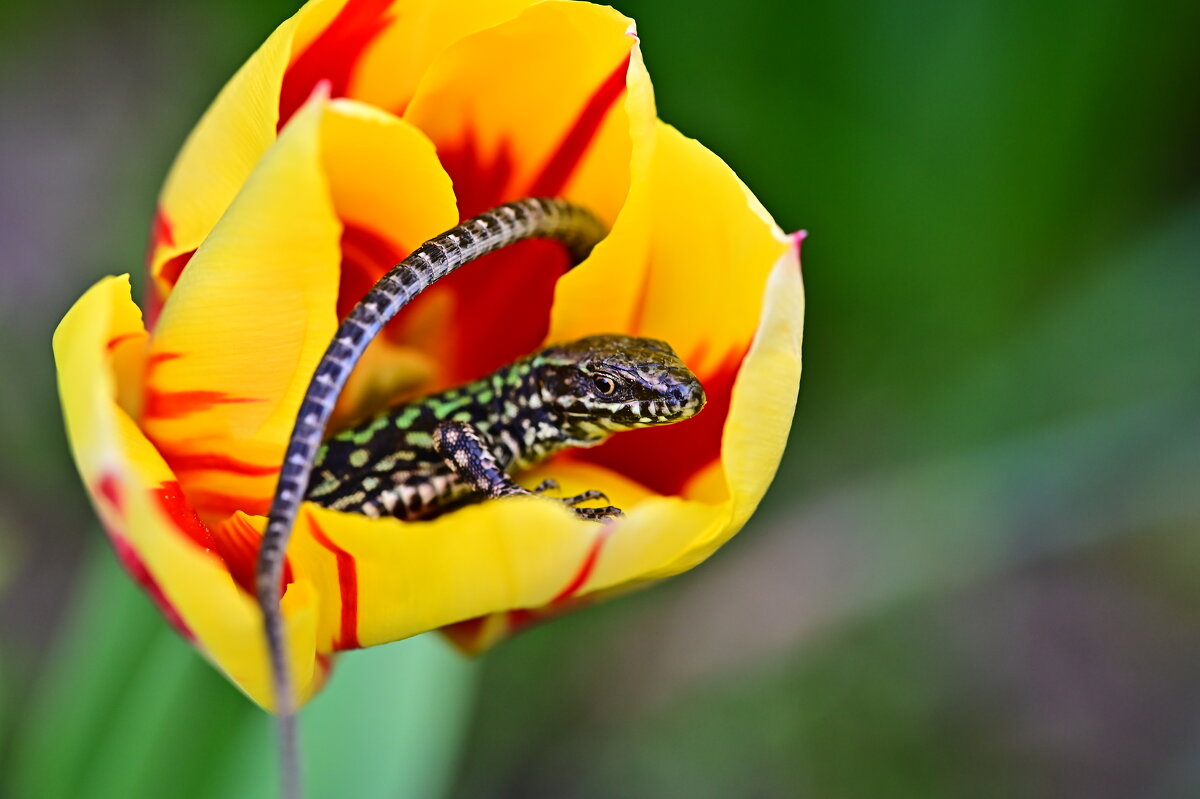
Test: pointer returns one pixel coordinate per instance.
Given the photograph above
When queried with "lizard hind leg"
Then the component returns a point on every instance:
(467, 451)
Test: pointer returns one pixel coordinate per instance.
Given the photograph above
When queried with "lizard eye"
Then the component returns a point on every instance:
(605, 385)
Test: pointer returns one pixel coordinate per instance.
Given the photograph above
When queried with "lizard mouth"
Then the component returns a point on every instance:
(680, 400)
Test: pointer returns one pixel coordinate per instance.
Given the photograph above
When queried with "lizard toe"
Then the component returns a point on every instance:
(599, 514)
(586, 496)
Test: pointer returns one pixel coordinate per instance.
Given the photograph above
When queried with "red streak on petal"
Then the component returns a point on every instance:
(222, 503)
(160, 234)
(333, 55)
(566, 158)
(585, 569)
(366, 255)
(116, 341)
(487, 332)
(161, 404)
(237, 542)
(324, 665)
(500, 304)
(479, 183)
(347, 571)
(175, 505)
(177, 404)
(162, 357)
(664, 458)
(171, 270)
(219, 462)
(467, 633)
(137, 570)
(110, 488)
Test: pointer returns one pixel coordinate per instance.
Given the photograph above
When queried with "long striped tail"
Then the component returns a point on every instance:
(557, 219)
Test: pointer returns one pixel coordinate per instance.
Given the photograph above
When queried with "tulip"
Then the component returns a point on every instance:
(357, 131)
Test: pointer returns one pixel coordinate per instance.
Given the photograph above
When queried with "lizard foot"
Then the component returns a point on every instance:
(599, 514)
(593, 514)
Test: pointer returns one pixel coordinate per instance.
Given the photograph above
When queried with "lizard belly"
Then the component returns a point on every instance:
(416, 496)
(417, 492)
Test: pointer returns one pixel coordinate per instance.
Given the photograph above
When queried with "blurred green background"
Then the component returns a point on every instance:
(976, 574)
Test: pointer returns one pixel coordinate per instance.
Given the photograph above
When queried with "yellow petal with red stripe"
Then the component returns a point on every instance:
(220, 153)
(153, 529)
(691, 244)
(383, 579)
(376, 50)
(391, 194)
(241, 334)
(542, 88)
(396, 60)
(401, 578)
(549, 103)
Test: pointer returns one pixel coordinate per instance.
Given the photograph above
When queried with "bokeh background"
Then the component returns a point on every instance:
(977, 572)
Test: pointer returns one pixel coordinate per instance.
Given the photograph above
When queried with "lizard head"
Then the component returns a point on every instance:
(606, 384)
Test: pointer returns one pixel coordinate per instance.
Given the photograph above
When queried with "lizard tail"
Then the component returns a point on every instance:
(534, 217)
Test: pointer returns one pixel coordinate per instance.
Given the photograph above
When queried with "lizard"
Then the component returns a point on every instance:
(419, 458)
(579, 231)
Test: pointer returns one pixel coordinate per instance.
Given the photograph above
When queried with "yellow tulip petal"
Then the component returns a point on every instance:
(372, 161)
(520, 136)
(244, 328)
(692, 244)
(764, 396)
(651, 535)
(566, 133)
(663, 535)
(395, 61)
(221, 152)
(320, 44)
(386, 579)
(760, 414)
(642, 546)
(379, 580)
(154, 531)
(332, 36)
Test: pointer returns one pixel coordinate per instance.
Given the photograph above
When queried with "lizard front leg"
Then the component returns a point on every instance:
(468, 453)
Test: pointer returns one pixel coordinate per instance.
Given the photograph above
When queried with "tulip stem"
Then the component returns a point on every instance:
(289, 757)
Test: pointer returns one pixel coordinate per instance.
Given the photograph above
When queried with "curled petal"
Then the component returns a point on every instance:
(420, 30)
(569, 132)
(154, 531)
(691, 244)
(372, 159)
(232, 353)
(221, 152)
